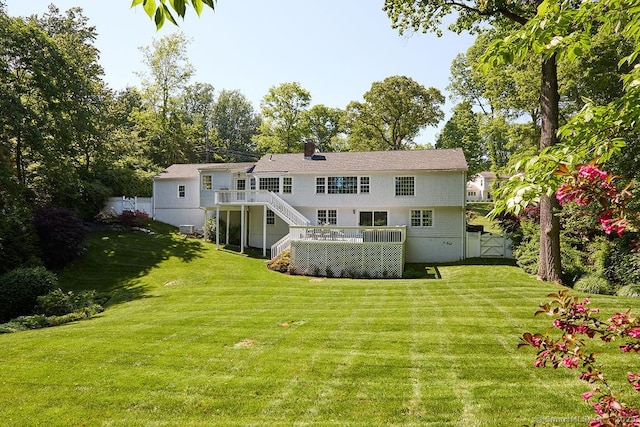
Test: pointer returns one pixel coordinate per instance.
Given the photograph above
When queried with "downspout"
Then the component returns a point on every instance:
(464, 216)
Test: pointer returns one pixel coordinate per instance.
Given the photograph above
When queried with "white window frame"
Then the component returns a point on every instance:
(339, 184)
(207, 182)
(287, 185)
(362, 186)
(404, 189)
(421, 218)
(270, 180)
(327, 216)
(321, 185)
(182, 191)
(271, 217)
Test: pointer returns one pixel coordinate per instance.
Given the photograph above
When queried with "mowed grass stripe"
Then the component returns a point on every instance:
(196, 337)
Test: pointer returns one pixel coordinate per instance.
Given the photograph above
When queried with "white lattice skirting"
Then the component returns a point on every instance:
(345, 259)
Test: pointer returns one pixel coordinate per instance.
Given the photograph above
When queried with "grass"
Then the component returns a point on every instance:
(198, 337)
(479, 211)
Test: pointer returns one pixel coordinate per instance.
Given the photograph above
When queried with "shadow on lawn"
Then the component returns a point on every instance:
(116, 261)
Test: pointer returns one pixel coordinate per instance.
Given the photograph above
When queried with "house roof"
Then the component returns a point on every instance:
(192, 170)
(365, 161)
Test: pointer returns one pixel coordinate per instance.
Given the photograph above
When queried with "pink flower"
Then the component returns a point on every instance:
(625, 348)
(588, 395)
(634, 333)
(591, 173)
(570, 362)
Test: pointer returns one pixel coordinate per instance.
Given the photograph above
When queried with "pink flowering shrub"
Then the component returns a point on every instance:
(577, 324)
(589, 184)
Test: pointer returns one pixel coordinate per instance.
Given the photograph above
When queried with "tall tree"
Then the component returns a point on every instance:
(427, 15)
(392, 114)
(235, 124)
(462, 130)
(283, 109)
(324, 127)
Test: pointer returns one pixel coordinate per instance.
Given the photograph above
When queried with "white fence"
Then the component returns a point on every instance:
(119, 204)
(487, 245)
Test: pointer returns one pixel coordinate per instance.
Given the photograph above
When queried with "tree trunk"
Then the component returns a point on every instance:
(549, 264)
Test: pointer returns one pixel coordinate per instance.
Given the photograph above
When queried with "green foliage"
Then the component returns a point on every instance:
(59, 303)
(463, 131)
(133, 218)
(161, 11)
(210, 230)
(284, 109)
(20, 288)
(622, 261)
(392, 114)
(593, 284)
(629, 291)
(23, 323)
(18, 240)
(61, 234)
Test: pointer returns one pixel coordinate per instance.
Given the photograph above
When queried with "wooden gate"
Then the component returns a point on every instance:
(492, 245)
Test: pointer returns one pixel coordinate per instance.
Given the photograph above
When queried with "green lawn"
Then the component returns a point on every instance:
(480, 210)
(197, 337)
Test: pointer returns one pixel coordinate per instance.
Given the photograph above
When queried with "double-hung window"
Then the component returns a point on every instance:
(287, 185)
(320, 185)
(422, 218)
(271, 217)
(405, 186)
(327, 216)
(364, 185)
(207, 182)
(182, 191)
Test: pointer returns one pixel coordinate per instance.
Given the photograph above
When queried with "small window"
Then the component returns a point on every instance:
(287, 185)
(471, 194)
(327, 216)
(271, 217)
(373, 218)
(207, 182)
(182, 191)
(405, 186)
(270, 184)
(364, 185)
(253, 183)
(422, 218)
(320, 185)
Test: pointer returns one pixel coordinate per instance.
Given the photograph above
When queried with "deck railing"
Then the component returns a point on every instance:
(348, 234)
(262, 197)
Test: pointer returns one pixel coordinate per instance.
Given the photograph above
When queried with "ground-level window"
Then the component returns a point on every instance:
(271, 217)
(287, 185)
(182, 191)
(373, 218)
(207, 182)
(422, 218)
(405, 186)
(327, 216)
(270, 184)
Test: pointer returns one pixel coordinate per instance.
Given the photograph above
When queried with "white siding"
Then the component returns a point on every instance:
(274, 231)
(171, 209)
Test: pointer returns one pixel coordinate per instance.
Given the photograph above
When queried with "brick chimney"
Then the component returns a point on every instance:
(309, 149)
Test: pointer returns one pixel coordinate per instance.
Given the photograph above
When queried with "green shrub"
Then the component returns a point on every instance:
(621, 262)
(61, 234)
(55, 303)
(632, 291)
(20, 288)
(593, 284)
(210, 230)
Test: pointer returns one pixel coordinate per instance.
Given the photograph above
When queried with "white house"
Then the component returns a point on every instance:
(479, 189)
(416, 198)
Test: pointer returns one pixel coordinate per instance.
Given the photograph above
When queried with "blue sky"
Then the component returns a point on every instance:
(334, 48)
